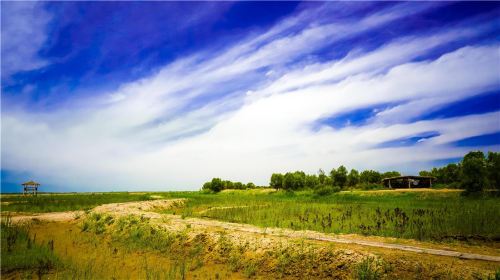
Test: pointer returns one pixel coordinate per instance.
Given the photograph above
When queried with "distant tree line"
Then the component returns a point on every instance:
(474, 173)
(335, 180)
(217, 185)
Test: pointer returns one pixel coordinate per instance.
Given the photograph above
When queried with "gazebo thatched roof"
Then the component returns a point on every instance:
(30, 183)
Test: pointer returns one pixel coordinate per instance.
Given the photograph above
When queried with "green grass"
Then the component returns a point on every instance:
(367, 270)
(65, 202)
(20, 252)
(418, 215)
(191, 252)
(137, 233)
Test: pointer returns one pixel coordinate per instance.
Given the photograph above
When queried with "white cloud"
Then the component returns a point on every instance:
(222, 115)
(23, 34)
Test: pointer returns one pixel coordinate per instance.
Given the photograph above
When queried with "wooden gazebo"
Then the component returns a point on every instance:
(30, 187)
(408, 182)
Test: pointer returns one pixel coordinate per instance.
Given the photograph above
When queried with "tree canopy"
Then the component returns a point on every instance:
(217, 185)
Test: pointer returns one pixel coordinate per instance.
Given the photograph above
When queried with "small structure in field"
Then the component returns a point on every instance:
(30, 187)
(408, 182)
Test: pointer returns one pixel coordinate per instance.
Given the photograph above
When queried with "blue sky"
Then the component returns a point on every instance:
(101, 96)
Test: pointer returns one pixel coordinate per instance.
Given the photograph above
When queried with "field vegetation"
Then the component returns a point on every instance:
(20, 251)
(66, 202)
(437, 215)
(106, 245)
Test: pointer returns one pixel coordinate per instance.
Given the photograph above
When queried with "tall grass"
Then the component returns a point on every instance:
(20, 252)
(368, 269)
(65, 202)
(423, 216)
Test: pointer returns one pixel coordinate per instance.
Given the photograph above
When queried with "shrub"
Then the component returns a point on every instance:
(96, 223)
(326, 190)
(250, 269)
(367, 270)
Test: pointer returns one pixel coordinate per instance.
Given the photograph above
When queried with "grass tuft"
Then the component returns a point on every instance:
(368, 269)
(20, 252)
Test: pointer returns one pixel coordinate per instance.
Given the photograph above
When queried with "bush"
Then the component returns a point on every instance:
(96, 223)
(326, 190)
(367, 270)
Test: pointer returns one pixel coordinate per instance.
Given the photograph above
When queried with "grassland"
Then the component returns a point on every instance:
(108, 245)
(439, 215)
(66, 202)
(105, 246)
(422, 215)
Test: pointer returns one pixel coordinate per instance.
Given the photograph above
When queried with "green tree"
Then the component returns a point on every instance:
(333, 173)
(321, 176)
(207, 186)
(294, 181)
(493, 169)
(353, 178)
(216, 185)
(425, 173)
(450, 173)
(340, 177)
(250, 185)
(474, 172)
(299, 180)
(390, 174)
(311, 181)
(276, 181)
(370, 176)
(239, 185)
(438, 173)
(288, 181)
(227, 185)
(328, 181)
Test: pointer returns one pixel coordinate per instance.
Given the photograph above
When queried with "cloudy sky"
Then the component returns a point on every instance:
(164, 95)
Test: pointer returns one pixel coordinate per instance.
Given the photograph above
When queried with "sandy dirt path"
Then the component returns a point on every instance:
(175, 222)
(49, 217)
